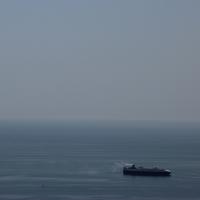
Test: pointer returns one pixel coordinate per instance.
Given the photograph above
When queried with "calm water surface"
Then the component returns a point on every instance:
(72, 161)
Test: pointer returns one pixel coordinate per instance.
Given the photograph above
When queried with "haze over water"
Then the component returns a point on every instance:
(100, 59)
(87, 86)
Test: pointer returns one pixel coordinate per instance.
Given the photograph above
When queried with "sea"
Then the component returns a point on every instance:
(72, 160)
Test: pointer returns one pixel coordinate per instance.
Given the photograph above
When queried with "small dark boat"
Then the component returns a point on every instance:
(141, 171)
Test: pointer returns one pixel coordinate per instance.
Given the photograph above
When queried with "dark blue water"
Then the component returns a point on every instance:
(84, 161)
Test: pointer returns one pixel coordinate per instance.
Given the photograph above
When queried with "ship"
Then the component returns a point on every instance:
(142, 171)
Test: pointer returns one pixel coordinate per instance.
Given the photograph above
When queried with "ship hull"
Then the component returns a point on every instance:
(145, 173)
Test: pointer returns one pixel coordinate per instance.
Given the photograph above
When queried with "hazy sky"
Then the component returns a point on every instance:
(107, 59)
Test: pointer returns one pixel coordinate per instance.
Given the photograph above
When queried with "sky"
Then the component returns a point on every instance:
(108, 59)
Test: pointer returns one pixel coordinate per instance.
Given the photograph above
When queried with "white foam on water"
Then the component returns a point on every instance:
(117, 166)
